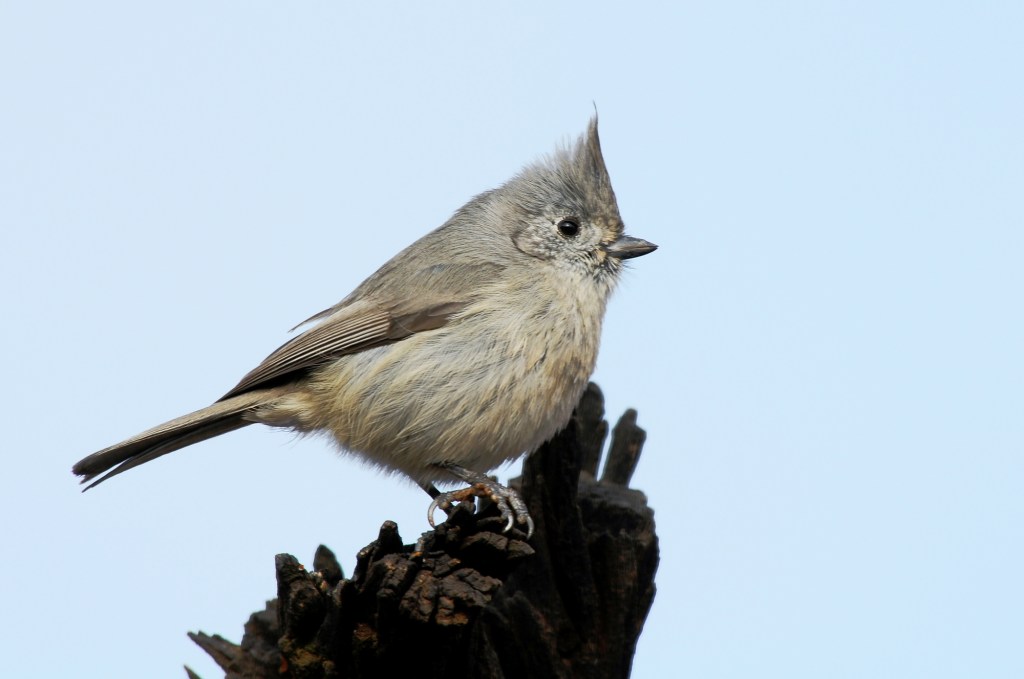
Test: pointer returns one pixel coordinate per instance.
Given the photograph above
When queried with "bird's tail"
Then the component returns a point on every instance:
(219, 418)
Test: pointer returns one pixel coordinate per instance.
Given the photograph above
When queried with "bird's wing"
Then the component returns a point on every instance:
(378, 318)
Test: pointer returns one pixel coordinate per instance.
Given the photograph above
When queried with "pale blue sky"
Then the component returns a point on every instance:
(826, 350)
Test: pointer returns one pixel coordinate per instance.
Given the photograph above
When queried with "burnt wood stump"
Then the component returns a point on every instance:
(474, 601)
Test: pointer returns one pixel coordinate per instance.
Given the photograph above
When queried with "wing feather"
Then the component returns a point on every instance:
(358, 326)
(380, 311)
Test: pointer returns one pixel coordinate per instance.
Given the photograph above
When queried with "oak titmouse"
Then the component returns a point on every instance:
(469, 348)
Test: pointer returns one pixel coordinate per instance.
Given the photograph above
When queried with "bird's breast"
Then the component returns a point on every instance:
(499, 379)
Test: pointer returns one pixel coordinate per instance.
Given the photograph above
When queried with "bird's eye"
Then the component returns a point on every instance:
(569, 227)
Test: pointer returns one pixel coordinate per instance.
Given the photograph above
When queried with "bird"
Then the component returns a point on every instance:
(467, 349)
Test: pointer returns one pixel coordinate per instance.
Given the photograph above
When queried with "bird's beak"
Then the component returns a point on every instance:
(627, 247)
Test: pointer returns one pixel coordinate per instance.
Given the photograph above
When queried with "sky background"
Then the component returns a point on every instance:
(826, 350)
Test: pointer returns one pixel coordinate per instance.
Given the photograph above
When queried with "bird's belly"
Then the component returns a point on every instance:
(461, 394)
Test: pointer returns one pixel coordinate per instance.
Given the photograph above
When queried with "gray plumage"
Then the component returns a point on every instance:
(470, 347)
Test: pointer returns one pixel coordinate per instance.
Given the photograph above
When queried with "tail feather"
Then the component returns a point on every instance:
(214, 420)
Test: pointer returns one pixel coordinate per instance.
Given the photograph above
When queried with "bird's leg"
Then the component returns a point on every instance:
(431, 489)
(512, 508)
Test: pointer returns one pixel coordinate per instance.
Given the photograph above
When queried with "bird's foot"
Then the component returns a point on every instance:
(511, 507)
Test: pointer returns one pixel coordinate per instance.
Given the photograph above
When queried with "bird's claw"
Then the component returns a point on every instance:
(511, 507)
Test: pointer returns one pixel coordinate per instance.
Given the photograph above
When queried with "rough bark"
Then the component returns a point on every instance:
(476, 602)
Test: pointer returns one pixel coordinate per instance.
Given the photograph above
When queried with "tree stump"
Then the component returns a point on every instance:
(474, 601)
